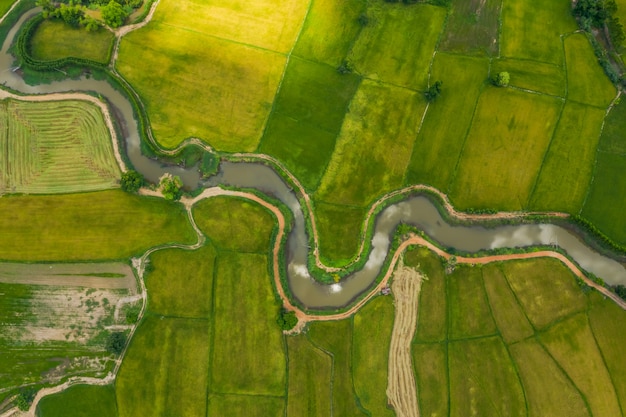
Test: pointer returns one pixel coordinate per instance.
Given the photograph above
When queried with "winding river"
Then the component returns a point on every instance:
(417, 210)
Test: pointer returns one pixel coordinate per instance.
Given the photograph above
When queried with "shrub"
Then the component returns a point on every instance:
(115, 343)
(131, 181)
(287, 320)
(170, 187)
(502, 79)
(25, 398)
(433, 91)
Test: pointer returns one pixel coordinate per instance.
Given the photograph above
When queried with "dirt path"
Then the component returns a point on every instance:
(401, 388)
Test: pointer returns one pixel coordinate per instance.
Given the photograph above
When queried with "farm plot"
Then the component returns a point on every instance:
(613, 139)
(569, 158)
(88, 226)
(339, 228)
(55, 147)
(248, 406)
(472, 27)
(413, 32)
(504, 149)
(5, 5)
(532, 32)
(586, 82)
(55, 39)
(533, 75)
(85, 400)
(431, 374)
(439, 143)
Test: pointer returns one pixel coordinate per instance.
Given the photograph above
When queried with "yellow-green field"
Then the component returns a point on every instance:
(533, 75)
(55, 147)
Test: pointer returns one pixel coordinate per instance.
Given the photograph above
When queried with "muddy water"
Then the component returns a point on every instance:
(418, 211)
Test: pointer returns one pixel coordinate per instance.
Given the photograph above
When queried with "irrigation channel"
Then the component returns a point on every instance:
(415, 210)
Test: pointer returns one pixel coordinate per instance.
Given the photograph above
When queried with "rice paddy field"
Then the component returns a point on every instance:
(55, 147)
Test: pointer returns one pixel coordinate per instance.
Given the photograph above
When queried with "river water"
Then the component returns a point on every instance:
(417, 211)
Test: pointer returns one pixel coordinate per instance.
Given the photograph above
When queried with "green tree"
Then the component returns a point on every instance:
(502, 79)
(287, 320)
(131, 181)
(433, 91)
(113, 14)
(25, 398)
(115, 343)
(170, 187)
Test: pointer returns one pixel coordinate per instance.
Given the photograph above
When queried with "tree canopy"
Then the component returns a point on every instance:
(114, 14)
(131, 181)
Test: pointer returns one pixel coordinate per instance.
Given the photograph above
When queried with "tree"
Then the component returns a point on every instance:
(593, 12)
(433, 91)
(170, 187)
(115, 343)
(25, 398)
(287, 320)
(502, 79)
(131, 181)
(113, 14)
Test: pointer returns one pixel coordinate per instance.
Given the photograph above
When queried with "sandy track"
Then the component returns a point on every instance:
(401, 388)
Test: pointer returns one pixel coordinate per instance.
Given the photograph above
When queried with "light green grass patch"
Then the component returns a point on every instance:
(5, 5)
(177, 272)
(572, 345)
(533, 32)
(201, 86)
(310, 371)
(374, 146)
(55, 147)
(370, 357)
(398, 43)
(264, 23)
(440, 142)
(431, 320)
(235, 224)
(165, 369)
(545, 288)
(483, 380)
(55, 39)
(509, 317)
(246, 406)
(336, 339)
(586, 82)
(605, 203)
(470, 314)
(613, 138)
(85, 400)
(88, 226)
(533, 75)
(330, 29)
(504, 150)
(431, 376)
(248, 356)
(339, 228)
(608, 324)
(565, 176)
(472, 27)
(549, 392)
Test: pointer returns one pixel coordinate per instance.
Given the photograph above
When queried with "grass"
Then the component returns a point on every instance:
(55, 147)
(5, 5)
(533, 75)
(549, 391)
(470, 314)
(432, 317)
(572, 344)
(430, 362)
(88, 226)
(176, 272)
(336, 339)
(374, 146)
(569, 158)
(248, 354)
(235, 225)
(85, 400)
(483, 380)
(531, 32)
(605, 203)
(472, 27)
(308, 114)
(586, 81)
(329, 30)
(237, 82)
(439, 143)
(54, 39)
(545, 288)
(339, 228)
(413, 32)
(165, 370)
(370, 354)
(249, 406)
(508, 314)
(612, 139)
(504, 149)
(310, 373)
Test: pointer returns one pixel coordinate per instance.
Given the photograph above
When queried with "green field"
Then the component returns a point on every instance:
(5, 5)
(433, 310)
(431, 374)
(88, 226)
(338, 226)
(472, 27)
(533, 75)
(55, 39)
(85, 400)
(55, 147)
(612, 139)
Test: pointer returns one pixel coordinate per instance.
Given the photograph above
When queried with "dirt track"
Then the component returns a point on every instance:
(401, 388)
